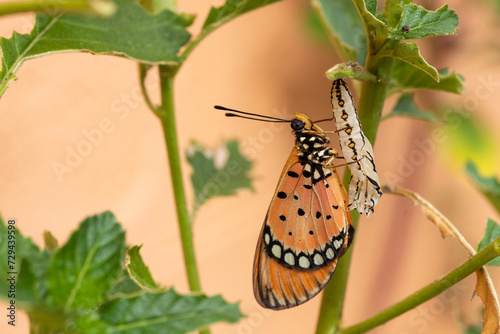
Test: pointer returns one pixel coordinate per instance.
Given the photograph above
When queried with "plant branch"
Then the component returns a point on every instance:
(167, 117)
(166, 113)
(332, 302)
(98, 7)
(480, 259)
(143, 70)
(370, 109)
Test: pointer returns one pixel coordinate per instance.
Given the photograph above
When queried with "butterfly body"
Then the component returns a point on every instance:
(308, 225)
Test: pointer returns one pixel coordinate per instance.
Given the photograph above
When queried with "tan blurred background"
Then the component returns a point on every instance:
(265, 62)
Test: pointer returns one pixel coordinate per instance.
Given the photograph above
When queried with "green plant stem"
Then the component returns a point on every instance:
(373, 96)
(100, 7)
(167, 116)
(371, 102)
(477, 261)
(166, 113)
(332, 302)
(143, 70)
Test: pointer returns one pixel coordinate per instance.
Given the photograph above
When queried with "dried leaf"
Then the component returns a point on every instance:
(486, 291)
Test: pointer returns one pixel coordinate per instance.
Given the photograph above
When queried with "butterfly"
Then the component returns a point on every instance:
(308, 226)
(364, 187)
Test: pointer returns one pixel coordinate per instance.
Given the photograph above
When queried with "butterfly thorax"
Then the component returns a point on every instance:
(311, 142)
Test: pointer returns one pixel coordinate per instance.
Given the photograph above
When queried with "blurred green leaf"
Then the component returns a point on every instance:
(166, 312)
(410, 54)
(473, 329)
(489, 186)
(423, 23)
(219, 172)
(85, 7)
(231, 9)
(91, 323)
(465, 138)
(315, 26)
(131, 32)
(407, 107)
(350, 70)
(492, 232)
(406, 77)
(50, 242)
(29, 262)
(138, 271)
(344, 28)
(83, 270)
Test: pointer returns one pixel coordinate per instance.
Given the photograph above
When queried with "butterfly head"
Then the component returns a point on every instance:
(302, 123)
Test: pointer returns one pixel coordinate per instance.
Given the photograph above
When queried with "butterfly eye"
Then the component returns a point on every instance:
(297, 124)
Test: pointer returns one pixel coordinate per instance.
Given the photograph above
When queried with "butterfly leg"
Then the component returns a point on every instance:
(344, 164)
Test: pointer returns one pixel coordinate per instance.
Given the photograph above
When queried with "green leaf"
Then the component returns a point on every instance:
(166, 312)
(91, 324)
(489, 186)
(123, 286)
(407, 107)
(406, 77)
(88, 7)
(30, 264)
(219, 172)
(50, 242)
(350, 70)
(393, 11)
(131, 32)
(83, 270)
(138, 271)
(423, 23)
(371, 6)
(375, 29)
(231, 9)
(344, 28)
(410, 54)
(492, 232)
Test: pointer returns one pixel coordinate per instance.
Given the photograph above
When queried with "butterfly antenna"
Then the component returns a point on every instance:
(262, 118)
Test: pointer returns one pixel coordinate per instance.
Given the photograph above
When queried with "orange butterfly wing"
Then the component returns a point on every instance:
(307, 228)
